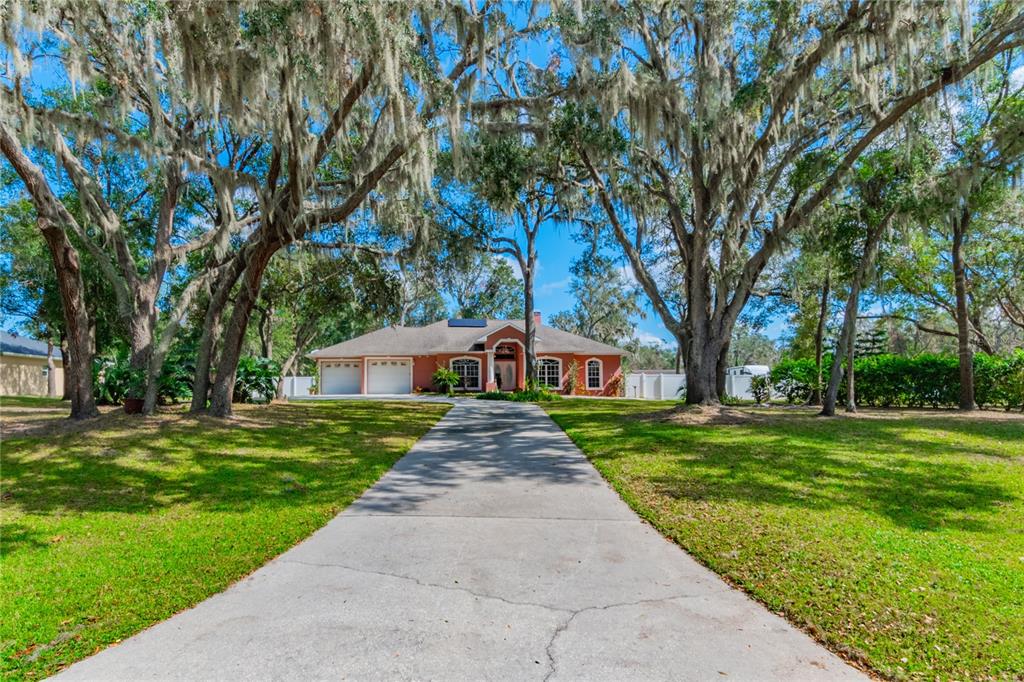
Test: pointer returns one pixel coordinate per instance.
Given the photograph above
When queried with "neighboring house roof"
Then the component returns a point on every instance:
(439, 337)
(12, 344)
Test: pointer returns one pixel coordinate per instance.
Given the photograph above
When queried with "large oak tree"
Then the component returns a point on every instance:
(740, 119)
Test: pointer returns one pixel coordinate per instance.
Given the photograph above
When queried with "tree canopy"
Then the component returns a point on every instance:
(250, 178)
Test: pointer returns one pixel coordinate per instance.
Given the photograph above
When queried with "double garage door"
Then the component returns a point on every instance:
(382, 376)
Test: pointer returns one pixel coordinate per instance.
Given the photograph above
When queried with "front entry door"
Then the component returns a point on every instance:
(505, 374)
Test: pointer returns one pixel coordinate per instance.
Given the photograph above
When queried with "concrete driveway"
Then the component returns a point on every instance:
(493, 550)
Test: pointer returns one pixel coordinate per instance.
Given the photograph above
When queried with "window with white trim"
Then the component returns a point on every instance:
(549, 372)
(468, 370)
(594, 374)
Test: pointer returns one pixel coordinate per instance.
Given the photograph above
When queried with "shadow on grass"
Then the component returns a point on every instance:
(880, 466)
(267, 457)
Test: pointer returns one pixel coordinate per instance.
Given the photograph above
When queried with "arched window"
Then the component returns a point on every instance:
(468, 370)
(594, 378)
(549, 372)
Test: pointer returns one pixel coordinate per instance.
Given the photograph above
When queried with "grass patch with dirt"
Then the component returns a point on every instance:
(897, 538)
(115, 524)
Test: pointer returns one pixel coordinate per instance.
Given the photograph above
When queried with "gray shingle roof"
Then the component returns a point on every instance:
(440, 338)
(21, 345)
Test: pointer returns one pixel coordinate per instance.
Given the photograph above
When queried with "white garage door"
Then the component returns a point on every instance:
(388, 376)
(341, 378)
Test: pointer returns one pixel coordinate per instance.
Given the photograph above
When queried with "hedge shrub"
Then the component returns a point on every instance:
(529, 395)
(795, 379)
(926, 380)
(256, 380)
(114, 379)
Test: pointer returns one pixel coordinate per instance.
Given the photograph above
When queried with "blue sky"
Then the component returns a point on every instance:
(556, 249)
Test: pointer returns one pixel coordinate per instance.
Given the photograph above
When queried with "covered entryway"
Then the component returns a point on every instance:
(389, 376)
(341, 377)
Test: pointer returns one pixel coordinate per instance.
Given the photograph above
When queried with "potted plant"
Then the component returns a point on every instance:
(446, 380)
(135, 391)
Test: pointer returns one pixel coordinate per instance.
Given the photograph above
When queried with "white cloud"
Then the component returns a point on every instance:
(551, 287)
(512, 263)
(649, 339)
(1017, 77)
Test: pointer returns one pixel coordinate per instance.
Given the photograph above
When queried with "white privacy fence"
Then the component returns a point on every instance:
(654, 386)
(739, 379)
(294, 386)
(669, 385)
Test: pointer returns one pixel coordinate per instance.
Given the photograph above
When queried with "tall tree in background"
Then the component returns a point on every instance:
(314, 295)
(719, 105)
(519, 176)
(485, 287)
(879, 191)
(989, 146)
(322, 104)
(605, 303)
(939, 272)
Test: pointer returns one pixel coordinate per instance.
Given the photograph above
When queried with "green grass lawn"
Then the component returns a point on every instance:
(18, 401)
(110, 529)
(897, 539)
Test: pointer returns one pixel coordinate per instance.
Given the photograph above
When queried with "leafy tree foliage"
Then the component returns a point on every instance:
(605, 303)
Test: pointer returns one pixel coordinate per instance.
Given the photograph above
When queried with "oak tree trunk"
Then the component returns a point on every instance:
(963, 325)
(703, 360)
(234, 333)
(211, 332)
(80, 350)
(846, 335)
(51, 371)
(266, 330)
(529, 329)
(851, 374)
(819, 339)
(723, 364)
(66, 390)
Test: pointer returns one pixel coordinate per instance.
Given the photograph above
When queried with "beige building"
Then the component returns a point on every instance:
(24, 369)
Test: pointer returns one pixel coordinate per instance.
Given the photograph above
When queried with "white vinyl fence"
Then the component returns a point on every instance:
(654, 386)
(738, 379)
(294, 386)
(668, 385)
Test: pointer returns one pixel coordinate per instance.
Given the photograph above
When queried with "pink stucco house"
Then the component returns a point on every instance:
(487, 354)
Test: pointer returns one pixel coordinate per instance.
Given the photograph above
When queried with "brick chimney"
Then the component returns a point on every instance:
(536, 318)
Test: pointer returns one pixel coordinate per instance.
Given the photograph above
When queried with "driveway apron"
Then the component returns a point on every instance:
(492, 550)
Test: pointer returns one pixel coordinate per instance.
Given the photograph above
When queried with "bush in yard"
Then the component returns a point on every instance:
(530, 395)
(883, 380)
(256, 380)
(114, 379)
(931, 380)
(177, 377)
(446, 380)
(795, 379)
(572, 381)
(761, 388)
(990, 371)
(1009, 389)
(898, 381)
